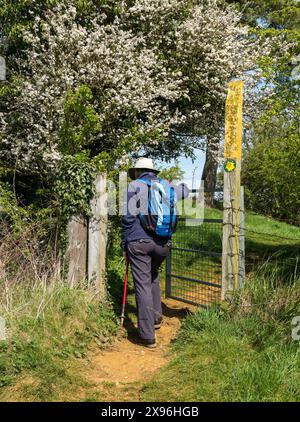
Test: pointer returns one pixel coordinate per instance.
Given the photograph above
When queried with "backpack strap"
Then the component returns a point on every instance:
(172, 205)
(147, 182)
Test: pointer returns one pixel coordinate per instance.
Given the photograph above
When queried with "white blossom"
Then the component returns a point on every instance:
(182, 52)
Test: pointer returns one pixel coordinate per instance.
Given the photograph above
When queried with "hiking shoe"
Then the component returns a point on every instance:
(157, 323)
(151, 344)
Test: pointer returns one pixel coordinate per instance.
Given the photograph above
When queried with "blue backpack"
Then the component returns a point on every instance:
(161, 219)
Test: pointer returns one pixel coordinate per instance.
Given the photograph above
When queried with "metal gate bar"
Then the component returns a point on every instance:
(194, 264)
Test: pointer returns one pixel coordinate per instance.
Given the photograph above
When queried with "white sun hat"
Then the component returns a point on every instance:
(143, 163)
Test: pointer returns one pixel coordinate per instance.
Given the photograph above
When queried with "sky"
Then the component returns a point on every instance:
(190, 167)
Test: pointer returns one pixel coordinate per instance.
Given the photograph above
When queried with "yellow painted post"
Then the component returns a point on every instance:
(232, 186)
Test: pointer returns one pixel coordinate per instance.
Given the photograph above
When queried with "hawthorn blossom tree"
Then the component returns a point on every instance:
(152, 77)
(120, 85)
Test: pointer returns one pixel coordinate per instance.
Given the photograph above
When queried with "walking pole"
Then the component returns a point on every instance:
(124, 292)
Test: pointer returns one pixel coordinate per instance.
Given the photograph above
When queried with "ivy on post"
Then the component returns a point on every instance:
(232, 186)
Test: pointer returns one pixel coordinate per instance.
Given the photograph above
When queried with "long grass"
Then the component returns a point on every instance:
(243, 351)
(50, 327)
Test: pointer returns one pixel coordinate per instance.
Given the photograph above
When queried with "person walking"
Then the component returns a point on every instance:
(148, 223)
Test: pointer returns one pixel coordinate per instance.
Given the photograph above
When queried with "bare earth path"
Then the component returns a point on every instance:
(119, 373)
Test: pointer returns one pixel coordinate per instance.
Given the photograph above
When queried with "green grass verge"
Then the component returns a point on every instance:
(49, 328)
(244, 352)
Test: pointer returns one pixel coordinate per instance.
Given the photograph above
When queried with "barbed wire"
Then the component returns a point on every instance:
(271, 235)
(264, 234)
(274, 219)
(297, 239)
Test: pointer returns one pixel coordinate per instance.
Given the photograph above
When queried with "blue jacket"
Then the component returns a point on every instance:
(138, 192)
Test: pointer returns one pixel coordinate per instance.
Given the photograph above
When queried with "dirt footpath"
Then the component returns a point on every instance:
(119, 373)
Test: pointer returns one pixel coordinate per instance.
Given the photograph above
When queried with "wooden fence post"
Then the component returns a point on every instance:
(97, 237)
(123, 192)
(2, 69)
(232, 184)
(77, 249)
(242, 270)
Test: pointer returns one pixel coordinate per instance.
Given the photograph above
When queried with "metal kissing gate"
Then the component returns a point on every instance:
(194, 264)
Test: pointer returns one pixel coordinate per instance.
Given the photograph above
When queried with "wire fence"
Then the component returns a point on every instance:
(194, 268)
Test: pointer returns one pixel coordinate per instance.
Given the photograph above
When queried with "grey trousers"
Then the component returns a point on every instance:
(146, 256)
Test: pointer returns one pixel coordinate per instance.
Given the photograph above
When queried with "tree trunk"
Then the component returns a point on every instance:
(210, 174)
